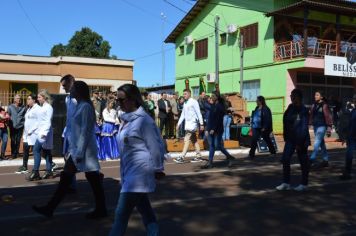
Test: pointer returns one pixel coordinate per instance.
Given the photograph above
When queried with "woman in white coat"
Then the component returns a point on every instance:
(44, 140)
(82, 155)
(29, 136)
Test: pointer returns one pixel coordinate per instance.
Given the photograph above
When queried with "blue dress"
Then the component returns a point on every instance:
(109, 146)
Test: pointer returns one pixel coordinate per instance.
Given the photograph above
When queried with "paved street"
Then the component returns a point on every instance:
(190, 201)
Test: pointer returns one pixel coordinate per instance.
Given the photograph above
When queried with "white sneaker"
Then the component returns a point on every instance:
(196, 159)
(301, 188)
(283, 186)
(179, 160)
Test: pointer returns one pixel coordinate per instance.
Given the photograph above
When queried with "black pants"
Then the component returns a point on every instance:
(163, 123)
(94, 178)
(256, 134)
(26, 154)
(15, 135)
(302, 153)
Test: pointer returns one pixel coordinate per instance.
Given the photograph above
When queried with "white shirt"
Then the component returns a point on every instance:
(191, 115)
(45, 116)
(110, 116)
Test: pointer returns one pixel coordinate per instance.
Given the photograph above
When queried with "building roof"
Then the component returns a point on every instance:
(65, 59)
(342, 7)
(182, 25)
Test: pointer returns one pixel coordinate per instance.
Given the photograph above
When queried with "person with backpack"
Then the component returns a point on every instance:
(321, 120)
(297, 138)
(350, 137)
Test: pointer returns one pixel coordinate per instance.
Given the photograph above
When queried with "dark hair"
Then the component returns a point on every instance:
(81, 88)
(262, 100)
(187, 90)
(132, 93)
(297, 93)
(33, 96)
(145, 94)
(324, 99)
(219, 97)
(67, 78)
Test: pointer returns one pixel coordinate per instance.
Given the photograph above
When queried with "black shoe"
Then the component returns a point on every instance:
(230, 158)
(345, 176)
(22, 170)
(2, 156)
(96, 214)
(324, 164)
(71, 191)
(34, 176)
(44, 210)
(250, 157)
(48, 175)
(208, 165)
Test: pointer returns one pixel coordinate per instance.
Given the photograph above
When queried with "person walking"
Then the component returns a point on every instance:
(321, 120)
(261, 126)
(109, 147)
(17, 113)
(67, 82)
(215, 129)
(180, 110)
(44, 140)
(350, 139)
(174, 116)
(81, 156)
(4, 122)
(296, 137)
(191, 116)
(30, 131)
(142, 156)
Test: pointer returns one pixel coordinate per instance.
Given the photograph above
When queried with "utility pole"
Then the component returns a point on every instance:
(241, 45)
(217, 18)
(163, 16)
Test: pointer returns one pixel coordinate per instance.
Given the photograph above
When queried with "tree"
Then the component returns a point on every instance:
(84, 43)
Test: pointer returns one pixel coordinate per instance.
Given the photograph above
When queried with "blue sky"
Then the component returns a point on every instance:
(134, 29)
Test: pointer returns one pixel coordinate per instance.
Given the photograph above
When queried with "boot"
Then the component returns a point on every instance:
(64, 182)
(96, 182)
(2, 156)
(208, 165)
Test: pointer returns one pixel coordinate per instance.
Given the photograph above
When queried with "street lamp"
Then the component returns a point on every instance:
(163, 17)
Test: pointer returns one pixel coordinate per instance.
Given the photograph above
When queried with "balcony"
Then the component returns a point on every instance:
(317, 48)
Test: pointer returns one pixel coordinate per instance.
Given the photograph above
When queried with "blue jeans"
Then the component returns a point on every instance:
(127, 202)
(351, 146)
(216, 143)
(3, 139)
(319, 143)
(37, 148)
(227, 122)
(302, 153)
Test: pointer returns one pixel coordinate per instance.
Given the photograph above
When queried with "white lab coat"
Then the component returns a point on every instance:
(45, 114)
(31, 125)
(82, 141)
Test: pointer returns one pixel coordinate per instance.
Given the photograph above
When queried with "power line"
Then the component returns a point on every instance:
(153, 54)
(145, 11)
(33, 25)
(188, 2)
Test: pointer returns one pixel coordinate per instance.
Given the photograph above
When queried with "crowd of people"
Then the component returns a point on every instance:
(123, 125)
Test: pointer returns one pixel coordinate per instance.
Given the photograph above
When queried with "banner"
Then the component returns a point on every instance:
(202, 87)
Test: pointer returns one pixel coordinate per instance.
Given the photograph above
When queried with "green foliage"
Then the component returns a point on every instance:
(84, 43)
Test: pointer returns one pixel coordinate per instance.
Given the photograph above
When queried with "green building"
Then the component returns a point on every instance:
(287, 45)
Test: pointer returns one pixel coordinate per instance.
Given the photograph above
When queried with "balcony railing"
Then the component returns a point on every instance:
(316, 48)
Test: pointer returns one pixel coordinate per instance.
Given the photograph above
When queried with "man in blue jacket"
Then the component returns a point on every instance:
(351, 139)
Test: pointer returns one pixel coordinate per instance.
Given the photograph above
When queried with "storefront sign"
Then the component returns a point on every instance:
(341, 66)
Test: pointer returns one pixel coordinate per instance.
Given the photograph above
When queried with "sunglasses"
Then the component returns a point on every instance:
(121, 100)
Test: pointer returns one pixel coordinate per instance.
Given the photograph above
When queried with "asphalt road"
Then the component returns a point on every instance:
(190, 201)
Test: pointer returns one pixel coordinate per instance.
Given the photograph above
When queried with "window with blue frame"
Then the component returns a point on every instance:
(251, 89)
